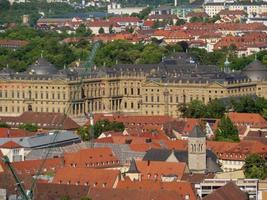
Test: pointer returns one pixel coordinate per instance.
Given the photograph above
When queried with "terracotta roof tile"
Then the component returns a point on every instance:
(10, 145)
(87, 176)
(32, 166)
(180, 145)
(44, 120)
(237, 151)
(95, 157)
(19, 43)
(230, 191)
(246, 118)
(232, 12)
(51, 191)
(143, 147)
(155, 170)
(182, 188)
(12, 133)
(132, 194)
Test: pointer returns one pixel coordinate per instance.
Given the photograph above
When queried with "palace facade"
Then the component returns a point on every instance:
(149, 89)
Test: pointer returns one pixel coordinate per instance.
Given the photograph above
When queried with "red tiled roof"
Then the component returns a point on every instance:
(237, 151)
(131, 194)
(179, 34)
(246, 118)
(124, 19)
(32, 166)
(12, 133)
(10, 145)
(230, 191)
(179, 145)
(143, 147)
(149, 23)
(52, 191)
(87, 176)
(101, 23)
(182, 188)
(253, 39)
(44, 120)
(232, 12)
(19, 43)
(197, 14)
(155, 170)
(133, 120)
(95, 157)
(164, 33)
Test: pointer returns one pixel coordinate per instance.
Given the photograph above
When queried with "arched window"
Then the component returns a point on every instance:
(29, 107)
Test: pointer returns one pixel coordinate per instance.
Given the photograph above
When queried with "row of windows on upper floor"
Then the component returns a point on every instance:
(30, 95)
(21, 87)
(19, 109)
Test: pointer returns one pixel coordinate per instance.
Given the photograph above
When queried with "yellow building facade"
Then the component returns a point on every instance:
(133, 89)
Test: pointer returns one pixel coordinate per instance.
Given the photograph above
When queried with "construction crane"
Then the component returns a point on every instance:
(29, 195)
(88, 68)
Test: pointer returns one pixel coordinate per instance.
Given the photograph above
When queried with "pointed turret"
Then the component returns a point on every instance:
(133, 167)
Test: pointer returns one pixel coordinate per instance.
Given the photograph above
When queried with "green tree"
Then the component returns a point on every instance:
(180, 22)
(86, 198)
(83, 132)
(226, 131)
(65, 198)
(98, 128)
(255, 167)
(4, 5)
(29, 127)
(196, 19)
(101, 30)
(156, 24)
(105, 125)
(143, 14)
(215, 109)
(111, 30)
(4, 125)
(195, 109)
(82, 31)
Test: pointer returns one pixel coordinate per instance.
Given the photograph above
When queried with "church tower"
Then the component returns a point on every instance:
(197, 151)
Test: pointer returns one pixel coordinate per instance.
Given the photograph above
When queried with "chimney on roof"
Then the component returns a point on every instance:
(148, 162)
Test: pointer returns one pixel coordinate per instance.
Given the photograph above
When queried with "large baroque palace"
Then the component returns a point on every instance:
(156, 89)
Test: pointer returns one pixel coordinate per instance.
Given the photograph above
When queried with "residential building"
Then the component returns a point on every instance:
(13, 151)
(98, 178)
(13, 44)
(92, 158)
(232, 156)
(197, 157)
(106, 25)
(156, 170)
(115, 8)
(251, 8)
(183, 189)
